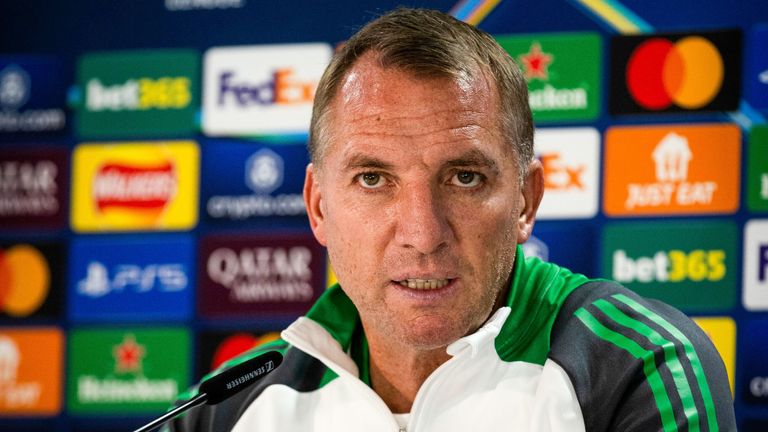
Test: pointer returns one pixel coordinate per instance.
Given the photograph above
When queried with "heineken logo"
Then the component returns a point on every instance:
(132, 370)
(128, 355)
(536, 63)
(562, 71)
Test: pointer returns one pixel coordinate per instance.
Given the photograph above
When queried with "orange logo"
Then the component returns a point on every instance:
(558, 176)
(660, 73)
(24, 280)
(672, 170)
(30, 371)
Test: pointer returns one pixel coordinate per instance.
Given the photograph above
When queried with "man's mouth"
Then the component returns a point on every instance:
(424, 284)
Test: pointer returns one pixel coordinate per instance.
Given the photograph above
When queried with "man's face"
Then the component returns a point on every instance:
(418, 200)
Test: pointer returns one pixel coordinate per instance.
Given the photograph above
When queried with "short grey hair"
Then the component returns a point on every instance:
(431, 44)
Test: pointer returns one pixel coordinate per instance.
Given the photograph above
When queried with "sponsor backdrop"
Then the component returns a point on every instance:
(152, 157)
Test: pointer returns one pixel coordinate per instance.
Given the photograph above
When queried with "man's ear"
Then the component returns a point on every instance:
(532, 191)
(313, 200)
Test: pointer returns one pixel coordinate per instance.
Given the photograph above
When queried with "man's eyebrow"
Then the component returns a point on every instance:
(357, 161)
(472, 158)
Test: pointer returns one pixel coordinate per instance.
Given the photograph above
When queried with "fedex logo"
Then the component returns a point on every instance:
(762, 259)
(571, 161)
(283, 88)
(262, 89)
(558, 175)
(755, 293)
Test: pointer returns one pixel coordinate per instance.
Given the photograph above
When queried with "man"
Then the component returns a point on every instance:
(422, 185)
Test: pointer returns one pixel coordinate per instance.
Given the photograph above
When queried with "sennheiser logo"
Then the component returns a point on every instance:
(14, 87)
(250, 376)
(264, 171)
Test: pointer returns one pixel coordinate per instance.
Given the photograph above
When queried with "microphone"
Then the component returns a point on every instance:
(223, 386)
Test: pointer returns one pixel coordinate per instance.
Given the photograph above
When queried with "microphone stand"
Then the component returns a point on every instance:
(197, 400)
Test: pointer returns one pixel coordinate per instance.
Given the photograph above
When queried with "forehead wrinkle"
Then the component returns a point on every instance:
(457, 133)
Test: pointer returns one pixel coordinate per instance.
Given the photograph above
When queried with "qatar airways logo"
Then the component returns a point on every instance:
(261, 90)
(263, 274)
(119, 185)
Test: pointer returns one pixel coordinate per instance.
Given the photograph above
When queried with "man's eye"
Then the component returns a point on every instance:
(371, 180)
(466, 179)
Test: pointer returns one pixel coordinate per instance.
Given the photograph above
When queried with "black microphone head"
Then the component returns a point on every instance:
(237, 378)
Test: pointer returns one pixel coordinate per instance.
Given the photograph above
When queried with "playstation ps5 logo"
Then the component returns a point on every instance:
(264, 171)
(14, 87)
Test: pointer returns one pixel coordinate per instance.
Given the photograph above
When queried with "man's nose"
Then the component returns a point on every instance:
(422, 221)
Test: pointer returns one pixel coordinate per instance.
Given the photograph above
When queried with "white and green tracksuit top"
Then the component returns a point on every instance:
(566, 354)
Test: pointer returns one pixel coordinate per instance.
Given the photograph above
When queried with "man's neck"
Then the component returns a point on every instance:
(398, 373)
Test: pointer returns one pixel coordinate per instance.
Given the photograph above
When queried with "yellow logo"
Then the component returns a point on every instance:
(722, 333)
(135, 186)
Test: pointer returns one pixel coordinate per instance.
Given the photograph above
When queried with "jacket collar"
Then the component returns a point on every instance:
(520, 331)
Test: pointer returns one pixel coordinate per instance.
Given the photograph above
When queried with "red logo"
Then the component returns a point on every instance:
(123, 186)
(536, 63)
(128, 355)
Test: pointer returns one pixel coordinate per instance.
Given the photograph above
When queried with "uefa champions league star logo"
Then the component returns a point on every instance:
(14, 87)
(264, 171)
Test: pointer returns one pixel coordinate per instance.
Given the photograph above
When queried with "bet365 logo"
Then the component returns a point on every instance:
(670, 266)
(139, 94)
(688, 264)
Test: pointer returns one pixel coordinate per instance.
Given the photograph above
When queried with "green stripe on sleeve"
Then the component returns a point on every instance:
(698, 370)
(649, 365)
(670, 358)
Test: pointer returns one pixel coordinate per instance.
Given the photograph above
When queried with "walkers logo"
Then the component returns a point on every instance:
(31, 363)
(139, 278)
(32, 95)
(756, 88)
(135, 186)
(563, 73)
(571, 161)
(244, 182)
(755, 293)
(138, 93)
(259, 275)
(126, 371)
(757, 169)
(663, 170)
(753, 368)
(662, 73)
(215, 348)
(33, 182)
(30, 280)
(261, 90)
(722, 333)
(690, 265)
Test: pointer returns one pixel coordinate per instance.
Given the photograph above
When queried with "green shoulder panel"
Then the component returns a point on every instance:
(536, 293)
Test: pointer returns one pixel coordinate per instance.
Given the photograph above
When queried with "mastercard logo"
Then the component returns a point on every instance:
(687, 73)
(237, 344)
(24, 280)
